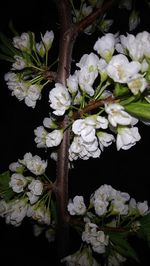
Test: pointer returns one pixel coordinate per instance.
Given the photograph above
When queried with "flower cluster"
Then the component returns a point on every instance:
(105, 98)
(26, 78)
(24, 193)
(111, 217)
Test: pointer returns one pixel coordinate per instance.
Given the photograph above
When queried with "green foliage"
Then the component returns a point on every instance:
(120, 242)
(144, 231)
(6, 192)
(140, 110)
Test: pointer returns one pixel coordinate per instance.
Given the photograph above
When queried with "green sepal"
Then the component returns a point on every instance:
(139, 109)
(120, 90)
(122, 246)
(144, 231)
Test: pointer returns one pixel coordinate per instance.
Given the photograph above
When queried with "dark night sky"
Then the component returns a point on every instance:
(125, 170)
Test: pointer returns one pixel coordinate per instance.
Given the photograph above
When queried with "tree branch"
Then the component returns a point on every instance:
(87, 21)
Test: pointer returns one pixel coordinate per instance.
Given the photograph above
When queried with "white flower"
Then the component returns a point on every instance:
(4, 208)
(86, 80)
(60, 99)
(115, 259)
(34, 163)
(121, 70)
(89, 61)
(40, 138)
(127, 137)
(47, 39)
(105, 46)
(16, 167)
(100, 206)
(77, 206)
(17, 212)
(39, 213)
(54, 138)
(36, 187)
(81, 258)
(96, 238)
(72, 83)
(143, 207)
(86, 130)
(32, 198)
(119, 207)
(117, 115)
(17, 182)
(49, 122)
(22, 42)
(137, 84)
(131, 45)
(105, 139)
(20, 63)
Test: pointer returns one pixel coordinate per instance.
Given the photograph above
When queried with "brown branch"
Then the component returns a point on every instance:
(87, 21)
(92, 105)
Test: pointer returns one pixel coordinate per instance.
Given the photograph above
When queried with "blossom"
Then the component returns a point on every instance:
(86, 80)
(137, 84)
(95, 237)
(121, 70)
(20, 63)
(17, 212)
(50, 122)
(17, 182)
(34, 163)
(36, 187)
(33, 94)
(22, 42)
(117, 115)
(105, 46)
(127, 137)
(105, 139)
(47, 39)
(40, 138)
(59, 99)
(54, 138)
(39, 213)
(81, 258)
(16, 167)
(82, 149)
(85, 129)
(89, 61)
(72, 83)
(77, 206)
(143, 207)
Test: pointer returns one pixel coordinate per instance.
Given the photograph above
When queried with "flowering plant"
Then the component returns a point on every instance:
(100, 103)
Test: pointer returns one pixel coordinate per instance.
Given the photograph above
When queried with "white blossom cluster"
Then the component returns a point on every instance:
(28, 192)
(108, 208)
(119, 63)
(26, 80)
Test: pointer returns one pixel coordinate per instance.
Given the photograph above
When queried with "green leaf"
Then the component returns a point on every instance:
(4, 179)
(139, 109)
(8, 194)
(5, 191)
(122, 246)
(144, 231)
(8, 43)
(127, 100)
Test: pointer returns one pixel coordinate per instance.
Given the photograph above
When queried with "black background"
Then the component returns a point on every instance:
(127, 171)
